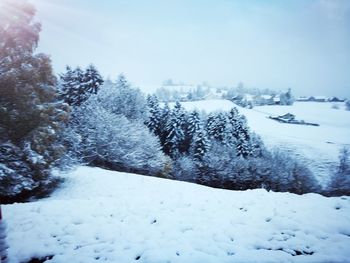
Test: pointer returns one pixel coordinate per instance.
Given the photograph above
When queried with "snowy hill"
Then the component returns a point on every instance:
(317, 146)
(106, 216)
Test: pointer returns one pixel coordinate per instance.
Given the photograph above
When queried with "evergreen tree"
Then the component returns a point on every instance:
(165, 116)
(92, 80)
(30, 116)
(216, 127)
(76, 86)
(155, 115)
(175, 131)
(200, 145)
(233, 126)
(193, 125)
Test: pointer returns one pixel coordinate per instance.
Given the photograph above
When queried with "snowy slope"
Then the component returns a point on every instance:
(317, 146)
(104, 216)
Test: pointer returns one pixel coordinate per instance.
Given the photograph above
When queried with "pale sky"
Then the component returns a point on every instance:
(273, 44)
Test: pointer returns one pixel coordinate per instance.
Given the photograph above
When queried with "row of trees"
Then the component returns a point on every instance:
(108, 130)
(219, 150)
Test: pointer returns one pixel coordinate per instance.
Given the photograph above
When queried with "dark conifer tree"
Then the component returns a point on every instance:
(200, 145)
(76, 86)
(155, 115)
(216, 127)
(30, 116)
(193, 125)
(175, 129)
(92, 80)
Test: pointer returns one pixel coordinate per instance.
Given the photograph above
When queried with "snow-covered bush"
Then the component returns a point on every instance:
(113, 136)
(121, 98)
(285, 174)
(185, 169)
(340, 182)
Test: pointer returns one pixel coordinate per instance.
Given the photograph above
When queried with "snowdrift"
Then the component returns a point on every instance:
(105, 216)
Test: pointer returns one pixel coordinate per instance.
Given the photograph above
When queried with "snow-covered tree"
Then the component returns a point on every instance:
(216, 165)
(194, 124)
(92, 80)
(30, 115)
(185, 169)
(238, 133)
(114, 140)
(340, 182)
(121, 98)
(216, 127)
(287, 98)
(155, 115)
(175, 129)
(200, 144)
(76, 86)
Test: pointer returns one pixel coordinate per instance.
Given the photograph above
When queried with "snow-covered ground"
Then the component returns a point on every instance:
(105, 216)
(318, 146)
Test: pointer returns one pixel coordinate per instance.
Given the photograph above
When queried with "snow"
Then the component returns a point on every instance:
(318, 146)
(107, 216)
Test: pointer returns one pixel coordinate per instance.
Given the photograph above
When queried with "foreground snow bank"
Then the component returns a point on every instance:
(106, 216)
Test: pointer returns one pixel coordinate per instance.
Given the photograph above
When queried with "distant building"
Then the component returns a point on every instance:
(277, 100)
(335, 99)
(288, 117)
(303, 98)
(318, 98)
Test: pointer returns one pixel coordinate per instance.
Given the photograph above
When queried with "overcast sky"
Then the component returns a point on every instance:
(304, 45)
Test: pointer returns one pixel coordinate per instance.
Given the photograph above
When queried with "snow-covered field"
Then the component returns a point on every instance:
(318, 146)
(104, 216)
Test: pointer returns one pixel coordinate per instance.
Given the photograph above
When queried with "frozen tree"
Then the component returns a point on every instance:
(30, 116)
(121, 98)
(185, 169)
(288, 175)
(340, 182)
(257, 146)
(238, 133)
(216, 165)
(216, 127)
(113, 141)
(155, 115)
(200, 144)
(194, 123)
(175, 129)
(233, 126)
(287, 98)
(92, 80)
(76, 85)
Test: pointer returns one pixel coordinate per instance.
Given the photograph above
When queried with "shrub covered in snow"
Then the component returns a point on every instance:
(340, 182)
(108, 131)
